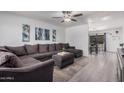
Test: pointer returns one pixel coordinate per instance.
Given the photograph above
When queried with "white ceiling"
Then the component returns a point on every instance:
(88, 16)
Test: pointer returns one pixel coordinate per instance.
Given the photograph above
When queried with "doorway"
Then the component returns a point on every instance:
(97, 43)
(105, 40)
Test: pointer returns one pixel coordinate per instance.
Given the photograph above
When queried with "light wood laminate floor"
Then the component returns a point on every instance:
(94, 68)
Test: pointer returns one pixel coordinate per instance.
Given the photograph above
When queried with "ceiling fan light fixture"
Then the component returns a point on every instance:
(68, 16)
(67, 20)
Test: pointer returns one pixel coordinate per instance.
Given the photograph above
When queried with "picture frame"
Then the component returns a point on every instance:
(26, 33)
(39, 33)
(54, 35)
(47, 34)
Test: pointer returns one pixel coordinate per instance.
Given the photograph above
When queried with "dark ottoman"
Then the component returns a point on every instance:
(63, 59)
(77, 52)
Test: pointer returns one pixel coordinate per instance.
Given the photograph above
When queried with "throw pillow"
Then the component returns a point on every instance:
(8, 59)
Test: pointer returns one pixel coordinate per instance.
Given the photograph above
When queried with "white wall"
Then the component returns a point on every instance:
(78, 36)
(113, 40)
(11, 30)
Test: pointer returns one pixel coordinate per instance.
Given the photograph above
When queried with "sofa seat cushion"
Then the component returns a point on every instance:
(43, 48)
(41, 55)
(76, 52)
(31, 49)
(29, 61)
(73, 50)
(23, 57)
(19, 51)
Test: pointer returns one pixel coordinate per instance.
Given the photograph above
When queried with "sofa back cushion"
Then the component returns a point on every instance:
(31, 49)
(8, 59)
(65, 45)
(19, 51)
(51, 47)
(58, 46)
(43, 48)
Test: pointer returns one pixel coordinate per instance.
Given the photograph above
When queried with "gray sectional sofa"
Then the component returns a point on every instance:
(31, 62)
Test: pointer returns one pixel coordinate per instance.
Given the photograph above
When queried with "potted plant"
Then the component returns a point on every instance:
(63, 49)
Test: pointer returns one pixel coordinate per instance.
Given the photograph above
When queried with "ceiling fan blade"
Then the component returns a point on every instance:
(73, 20)
(77, 15)
(62, 21)
(57, 17)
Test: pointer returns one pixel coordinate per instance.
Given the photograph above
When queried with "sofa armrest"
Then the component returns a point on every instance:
(42, 71)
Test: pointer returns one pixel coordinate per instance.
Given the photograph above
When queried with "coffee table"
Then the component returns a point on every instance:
(63, 59)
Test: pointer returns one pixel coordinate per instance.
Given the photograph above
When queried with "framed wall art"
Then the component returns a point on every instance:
(47, 34)
(54, 35)
(39, 33)
(26, 33)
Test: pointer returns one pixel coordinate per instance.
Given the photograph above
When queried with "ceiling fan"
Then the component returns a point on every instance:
(68, 16)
